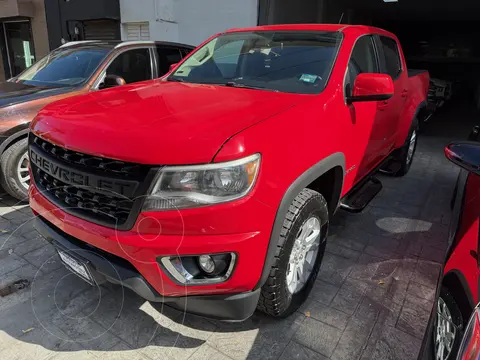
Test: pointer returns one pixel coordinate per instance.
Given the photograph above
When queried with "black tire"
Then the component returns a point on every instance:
(402, 154)
(276, 299)
(457, 319)
(9, 178)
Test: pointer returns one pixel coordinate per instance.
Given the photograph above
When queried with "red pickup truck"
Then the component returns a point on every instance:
(217, 182)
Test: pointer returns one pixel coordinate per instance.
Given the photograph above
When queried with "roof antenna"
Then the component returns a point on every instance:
(341, 18)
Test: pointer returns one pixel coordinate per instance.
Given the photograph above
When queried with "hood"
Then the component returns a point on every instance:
(12, 93)
(157, 123)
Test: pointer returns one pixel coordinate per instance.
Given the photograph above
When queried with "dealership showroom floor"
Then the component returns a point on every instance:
(372, 299)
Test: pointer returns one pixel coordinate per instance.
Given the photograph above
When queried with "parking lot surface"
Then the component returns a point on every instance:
(372, 298)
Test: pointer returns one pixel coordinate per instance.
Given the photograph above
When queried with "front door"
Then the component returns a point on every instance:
(19, 46)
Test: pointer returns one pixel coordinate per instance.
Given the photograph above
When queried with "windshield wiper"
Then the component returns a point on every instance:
(241, 85)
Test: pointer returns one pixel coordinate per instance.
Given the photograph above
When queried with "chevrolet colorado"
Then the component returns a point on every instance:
(211, 189)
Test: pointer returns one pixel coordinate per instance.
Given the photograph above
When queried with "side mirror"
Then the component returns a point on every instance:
(470, 345)
(371, 87)
(173, 66)
(465, 154)
(112, 81)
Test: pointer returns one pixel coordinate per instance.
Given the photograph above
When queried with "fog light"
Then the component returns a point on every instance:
(206, 263)
(199, 269)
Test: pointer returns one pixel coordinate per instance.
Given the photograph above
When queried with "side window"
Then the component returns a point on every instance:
(362, 60)
(132, 65)
(185, 52)
(166, 57)
(393, 64)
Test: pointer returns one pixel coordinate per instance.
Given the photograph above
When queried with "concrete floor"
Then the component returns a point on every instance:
(372, 299)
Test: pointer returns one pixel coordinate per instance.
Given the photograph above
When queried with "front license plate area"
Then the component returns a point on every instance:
(76, 266)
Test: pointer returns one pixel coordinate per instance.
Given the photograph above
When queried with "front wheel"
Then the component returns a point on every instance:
(298, 257)
(14, 176)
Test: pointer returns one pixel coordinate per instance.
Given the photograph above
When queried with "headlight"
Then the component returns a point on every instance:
(178, 187)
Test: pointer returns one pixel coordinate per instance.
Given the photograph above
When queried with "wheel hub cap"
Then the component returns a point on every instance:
(304, 254)
(22, 171)
(445, 331)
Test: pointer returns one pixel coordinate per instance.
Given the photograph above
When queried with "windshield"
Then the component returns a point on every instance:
(64, 67)
(287, 61)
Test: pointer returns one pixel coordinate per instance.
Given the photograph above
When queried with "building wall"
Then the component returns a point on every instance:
(188, 21)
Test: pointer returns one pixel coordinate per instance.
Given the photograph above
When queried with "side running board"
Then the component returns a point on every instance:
(360, 197)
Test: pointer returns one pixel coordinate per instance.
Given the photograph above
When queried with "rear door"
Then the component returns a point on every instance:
(391, 109)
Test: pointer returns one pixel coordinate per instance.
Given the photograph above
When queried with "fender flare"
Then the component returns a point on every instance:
(317, 170)
(14, 137)
(420, 106)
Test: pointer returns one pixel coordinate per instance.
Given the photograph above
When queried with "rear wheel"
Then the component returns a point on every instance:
(298, 257)
(448, 330)
(14, 176)
(406, 153)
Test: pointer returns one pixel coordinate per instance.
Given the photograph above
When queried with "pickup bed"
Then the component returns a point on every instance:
(218, 181)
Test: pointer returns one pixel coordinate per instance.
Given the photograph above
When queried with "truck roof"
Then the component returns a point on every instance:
(314, 27)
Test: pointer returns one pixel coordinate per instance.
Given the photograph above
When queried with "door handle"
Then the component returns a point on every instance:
(404, 93)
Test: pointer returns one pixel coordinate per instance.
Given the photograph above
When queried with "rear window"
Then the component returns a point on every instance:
(393, 65)
(287, 61)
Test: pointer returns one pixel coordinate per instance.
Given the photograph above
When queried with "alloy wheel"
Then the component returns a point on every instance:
(445, 331)
(304, 254)
(22, 171)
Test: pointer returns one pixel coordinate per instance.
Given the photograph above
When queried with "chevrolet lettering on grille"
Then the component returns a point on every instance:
(78, 178)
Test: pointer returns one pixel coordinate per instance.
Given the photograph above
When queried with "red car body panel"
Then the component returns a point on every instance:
(165, 123)
(463, 260)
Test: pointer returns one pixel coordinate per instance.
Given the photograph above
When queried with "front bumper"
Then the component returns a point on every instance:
(107, 267)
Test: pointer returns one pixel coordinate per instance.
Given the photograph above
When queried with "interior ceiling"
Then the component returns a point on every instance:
(439, 10)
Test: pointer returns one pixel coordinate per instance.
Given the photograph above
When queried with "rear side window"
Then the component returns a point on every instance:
(167, 56)
(362, 60)
(393, 65)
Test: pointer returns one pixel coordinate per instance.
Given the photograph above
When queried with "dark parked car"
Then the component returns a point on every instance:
(458, 289)
(74, 68)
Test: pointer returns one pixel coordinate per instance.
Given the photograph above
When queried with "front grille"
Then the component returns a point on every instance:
(105, 191)
(95, 164)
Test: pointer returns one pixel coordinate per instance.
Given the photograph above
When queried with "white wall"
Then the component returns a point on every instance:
(189, 21)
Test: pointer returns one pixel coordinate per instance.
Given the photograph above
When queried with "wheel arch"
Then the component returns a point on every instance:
(457, 285)
(327, 174)
(17, 133)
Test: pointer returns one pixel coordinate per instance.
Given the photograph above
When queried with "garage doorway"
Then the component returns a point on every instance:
(20, 53)
(436, 35)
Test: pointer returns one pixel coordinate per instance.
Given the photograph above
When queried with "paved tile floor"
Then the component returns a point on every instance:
(371, 301)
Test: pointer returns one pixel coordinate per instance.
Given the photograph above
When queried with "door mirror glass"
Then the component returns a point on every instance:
(371, 87)
(470, 345)
(172, 66)
(465, 154)
(112, 81)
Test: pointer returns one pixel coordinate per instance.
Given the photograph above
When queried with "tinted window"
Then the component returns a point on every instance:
(362, 60)
(296, 62)
(185, 51)
(64, 67)
(132, 65)
(393, 65)
(167, 56)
